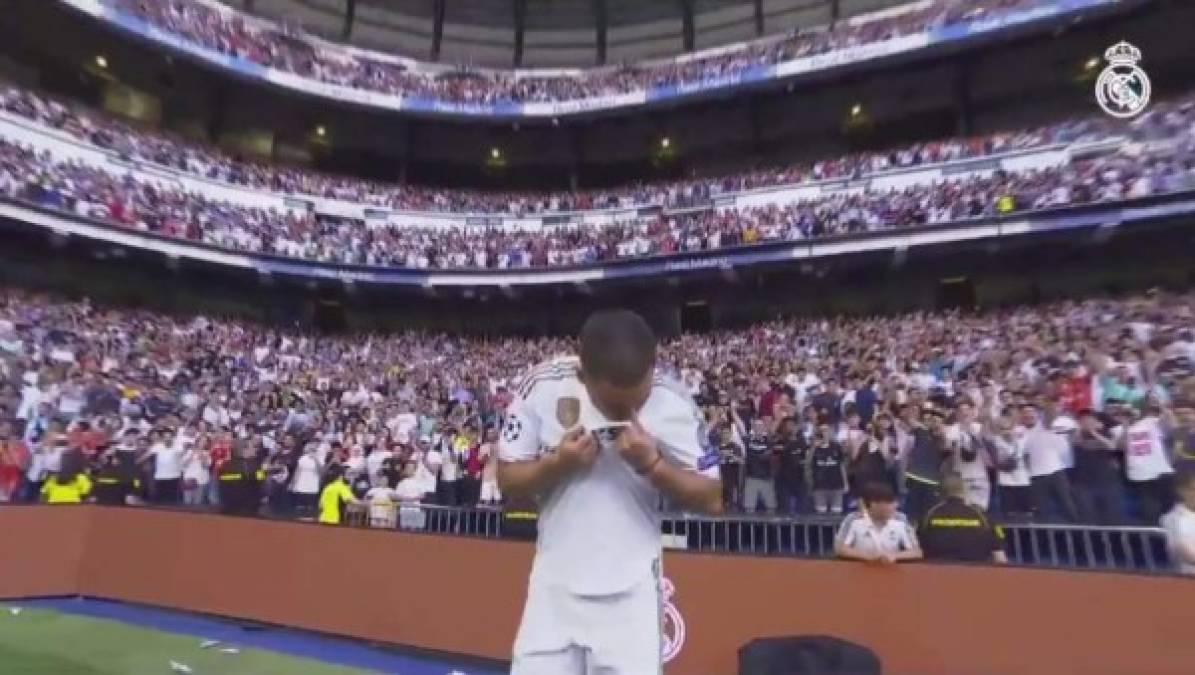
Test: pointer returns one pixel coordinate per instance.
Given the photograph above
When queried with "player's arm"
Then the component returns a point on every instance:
(529, 478)
(524, 473)
(676, 462)
(692, 490)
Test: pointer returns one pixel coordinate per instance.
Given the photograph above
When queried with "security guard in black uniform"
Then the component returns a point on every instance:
(114, 482)
(240, 480)
(954, 530)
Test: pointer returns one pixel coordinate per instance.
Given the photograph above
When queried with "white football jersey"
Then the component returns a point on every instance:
(860, 531)
(599, 529)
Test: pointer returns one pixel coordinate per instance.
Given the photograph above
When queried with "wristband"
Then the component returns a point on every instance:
(650, 467)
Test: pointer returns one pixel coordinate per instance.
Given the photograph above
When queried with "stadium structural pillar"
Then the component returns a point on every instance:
(689, 34)
(756, 121)
(520, 12)
(249, 5)
(575, 157)
(835, 11)
(350, 16)
(437, 28)
(600, 23)
(962, 99)
(405, 160)
(758, 12)
(219, 115)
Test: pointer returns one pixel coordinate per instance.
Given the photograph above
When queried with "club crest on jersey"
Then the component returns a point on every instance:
(568, 411)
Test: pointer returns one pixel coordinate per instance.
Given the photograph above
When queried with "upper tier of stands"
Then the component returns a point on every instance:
(281, 55)
(55, 156)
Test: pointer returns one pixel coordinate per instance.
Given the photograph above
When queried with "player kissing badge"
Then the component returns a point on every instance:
(568, 411)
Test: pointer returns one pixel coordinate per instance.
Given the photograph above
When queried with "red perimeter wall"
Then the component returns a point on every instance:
(464, 595)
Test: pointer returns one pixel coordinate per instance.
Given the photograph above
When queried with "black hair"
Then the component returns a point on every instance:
(72, 466)
(877, 492)
(334, 471)
(1184, 480)
(618, 347)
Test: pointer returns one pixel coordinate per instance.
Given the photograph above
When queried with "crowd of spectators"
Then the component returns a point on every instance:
(161, 149)
(1161, 162)
(280, 48)
(1077, 410)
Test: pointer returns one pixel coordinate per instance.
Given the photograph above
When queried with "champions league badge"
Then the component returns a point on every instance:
(673, 628)
(1123, 88)
(512, 430)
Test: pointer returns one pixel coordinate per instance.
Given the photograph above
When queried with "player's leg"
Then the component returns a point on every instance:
(544, 644)
(567, 661)
(626, 632)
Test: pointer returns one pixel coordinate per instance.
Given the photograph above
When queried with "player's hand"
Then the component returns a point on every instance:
(577, 449)
(885, 559)
(638, 448)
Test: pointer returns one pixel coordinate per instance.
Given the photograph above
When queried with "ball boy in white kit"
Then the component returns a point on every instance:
(597, 440)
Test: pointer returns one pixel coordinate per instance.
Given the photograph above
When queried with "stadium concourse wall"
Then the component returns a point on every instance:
(464, 595)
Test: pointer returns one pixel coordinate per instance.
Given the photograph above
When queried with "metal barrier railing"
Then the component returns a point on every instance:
(1133, 549)
(477, 522)
(1046, 545)
(1138, 549)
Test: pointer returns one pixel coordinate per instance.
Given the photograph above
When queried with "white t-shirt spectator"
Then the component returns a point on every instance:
(307, 475)
(403, 423)
(71, 400)
(859, 531)
(36, 472)
(198, 468)
(1065, 426)
(381, 502)
(31, 397)
(373, 464)
(1045, 450)
(1018, 475)
(409, 489)
(426, 470)
(451, 462)
(1144, 453)
(1179, 525)
(168, 461)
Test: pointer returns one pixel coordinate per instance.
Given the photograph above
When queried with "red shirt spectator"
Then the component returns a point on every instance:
(221, 450)
(14, 457)
(1074, 391)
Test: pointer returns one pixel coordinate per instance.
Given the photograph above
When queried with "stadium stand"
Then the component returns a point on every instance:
(77, 377)
(1151, 155)
(281, 47)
